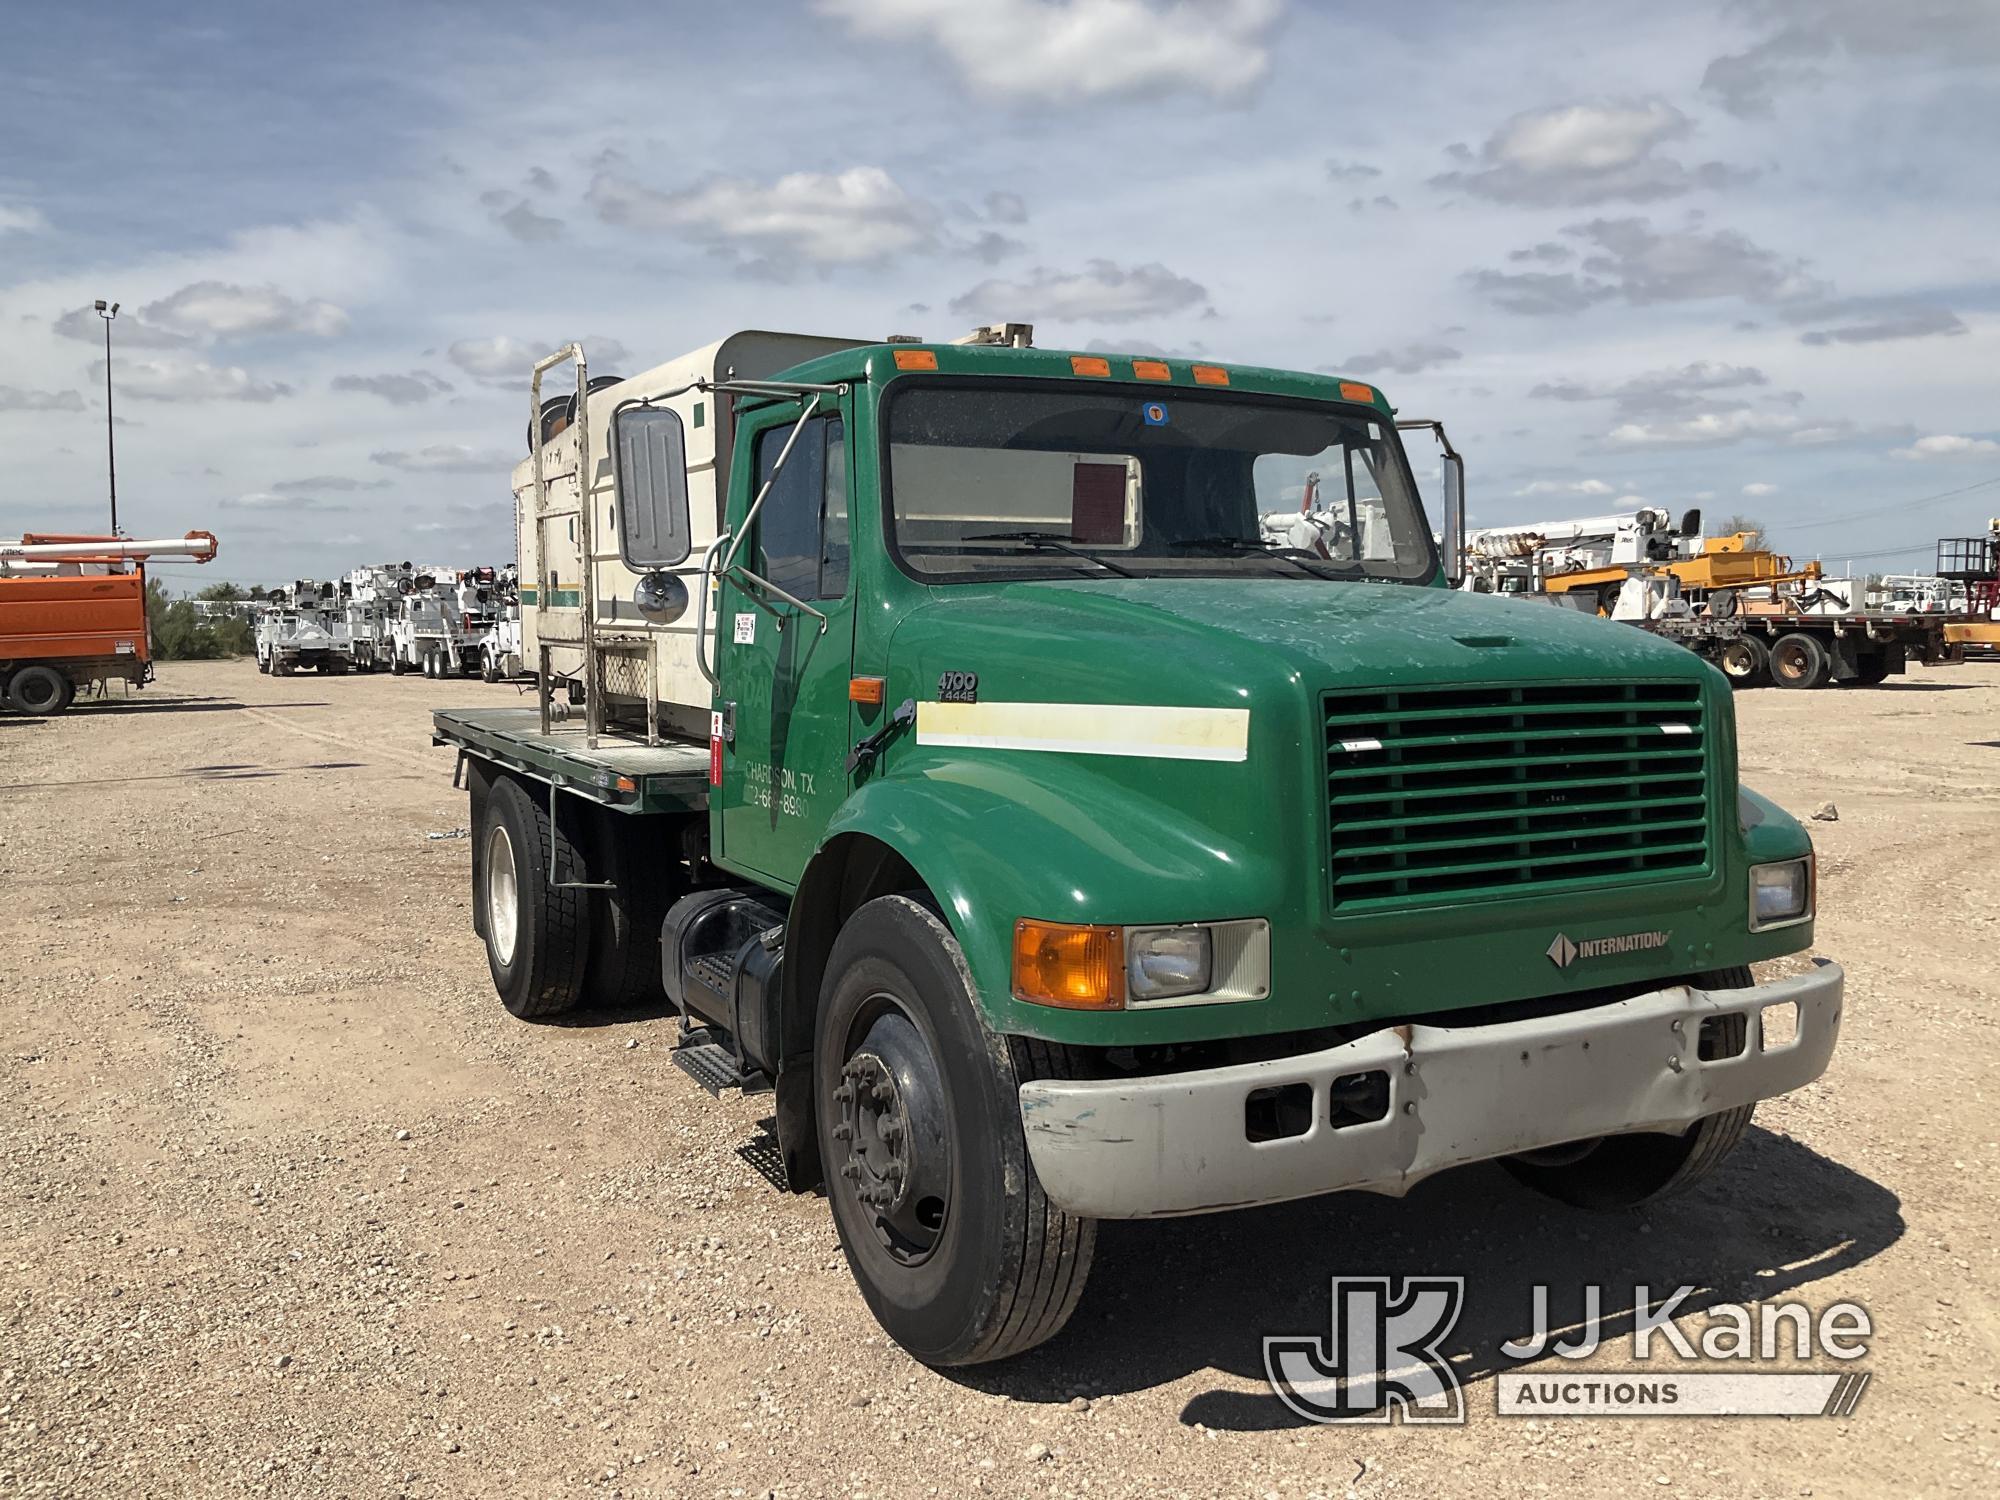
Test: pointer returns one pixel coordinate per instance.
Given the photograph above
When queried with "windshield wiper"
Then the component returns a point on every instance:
(1049, 541)
(1298, 557)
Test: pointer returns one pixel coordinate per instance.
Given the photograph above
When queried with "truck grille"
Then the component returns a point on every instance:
(1493, 791)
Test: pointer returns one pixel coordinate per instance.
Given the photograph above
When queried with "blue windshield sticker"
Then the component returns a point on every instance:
(1156, 414)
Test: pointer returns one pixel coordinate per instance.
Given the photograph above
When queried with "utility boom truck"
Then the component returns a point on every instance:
(73, 614)
(969, 770)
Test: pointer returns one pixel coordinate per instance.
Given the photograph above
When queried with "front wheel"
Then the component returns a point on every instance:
(1625, 1171)
(961, 1256)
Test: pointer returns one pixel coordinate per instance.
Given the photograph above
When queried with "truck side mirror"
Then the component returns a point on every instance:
(1454, 519)
(649, 469)
(1691, 523)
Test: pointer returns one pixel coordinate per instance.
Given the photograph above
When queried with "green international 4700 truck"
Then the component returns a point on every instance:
(948, 734)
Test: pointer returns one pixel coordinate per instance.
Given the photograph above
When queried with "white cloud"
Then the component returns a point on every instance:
(1062, 51)
(1563, 487)
(816, 218)
(1103, 292)
(216, 309)
(1578, 154)
(20, 218)
(1759, 490)
(129, 329)
(1405, 359)
(397, 390)
(506, 361)
(1628, 260)
(270, 500)
(1947, 445)
(1707, 428)
(1810, 34)
(14, 398)
(169, 377)
(447, 458)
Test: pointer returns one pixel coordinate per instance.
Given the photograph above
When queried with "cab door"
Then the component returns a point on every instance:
(784, 662)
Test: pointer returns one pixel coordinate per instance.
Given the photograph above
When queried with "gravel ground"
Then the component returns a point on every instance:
(290, 1205)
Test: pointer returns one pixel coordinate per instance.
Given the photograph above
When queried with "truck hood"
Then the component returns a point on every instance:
(1198, 637)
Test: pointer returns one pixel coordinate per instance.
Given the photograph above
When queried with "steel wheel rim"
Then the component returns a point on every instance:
(503, 894)
(894, 1130)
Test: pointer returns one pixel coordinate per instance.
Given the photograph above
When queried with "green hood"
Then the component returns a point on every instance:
(1242, 631)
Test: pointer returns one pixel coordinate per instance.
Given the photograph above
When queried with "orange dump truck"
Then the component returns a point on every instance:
(73, 614)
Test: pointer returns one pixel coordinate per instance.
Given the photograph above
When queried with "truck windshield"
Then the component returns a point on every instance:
(1052, 480)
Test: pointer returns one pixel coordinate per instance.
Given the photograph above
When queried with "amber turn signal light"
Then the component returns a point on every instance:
(1351, 391)
(864, 690)
(1070, 965)
(916, 359)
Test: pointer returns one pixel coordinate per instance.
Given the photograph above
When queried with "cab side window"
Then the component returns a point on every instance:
(802, 532)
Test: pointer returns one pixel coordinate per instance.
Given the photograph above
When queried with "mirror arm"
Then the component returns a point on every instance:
(701, 613)
(750, 516)
(744, 575)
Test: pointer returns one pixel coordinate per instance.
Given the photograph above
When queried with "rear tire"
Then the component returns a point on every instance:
(1626, 1171)
(1745, 661)
(625, 939)
(959, 1253)
(1798, 660)
(41, 691)
(489, 670)
(1871, 670)
(537, 934)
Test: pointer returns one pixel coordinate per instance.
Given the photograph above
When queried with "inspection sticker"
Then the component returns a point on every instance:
(746, 628)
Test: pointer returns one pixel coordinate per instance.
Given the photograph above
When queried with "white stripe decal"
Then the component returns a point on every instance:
(1089, 729)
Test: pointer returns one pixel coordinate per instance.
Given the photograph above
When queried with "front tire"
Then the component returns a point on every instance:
(1625, 1171)
(959, 1253)
(537, 934)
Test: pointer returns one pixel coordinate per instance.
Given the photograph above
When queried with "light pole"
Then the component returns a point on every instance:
(108, 311)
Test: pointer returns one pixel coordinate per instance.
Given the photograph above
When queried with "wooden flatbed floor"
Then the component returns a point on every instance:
(623, 771)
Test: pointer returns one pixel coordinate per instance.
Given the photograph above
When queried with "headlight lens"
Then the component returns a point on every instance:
(1162, 962)
(1781, 894)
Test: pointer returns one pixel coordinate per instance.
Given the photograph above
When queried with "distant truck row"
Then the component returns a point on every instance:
(396, 617)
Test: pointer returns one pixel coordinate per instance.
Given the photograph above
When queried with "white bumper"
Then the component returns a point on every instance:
(1178, 1144)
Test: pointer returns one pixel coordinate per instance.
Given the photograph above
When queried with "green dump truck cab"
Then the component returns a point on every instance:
(1110, 811)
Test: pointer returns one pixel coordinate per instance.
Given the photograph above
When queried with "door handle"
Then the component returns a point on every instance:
(868, 749)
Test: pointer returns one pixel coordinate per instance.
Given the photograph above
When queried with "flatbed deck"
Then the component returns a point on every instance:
(622, 772)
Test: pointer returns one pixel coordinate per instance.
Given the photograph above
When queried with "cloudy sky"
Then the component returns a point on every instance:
(1742, 255)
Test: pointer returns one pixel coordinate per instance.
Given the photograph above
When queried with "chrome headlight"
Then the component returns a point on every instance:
(1781, 895)
(1162, 962)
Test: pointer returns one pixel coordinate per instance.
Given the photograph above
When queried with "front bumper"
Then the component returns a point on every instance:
(1134, 1148)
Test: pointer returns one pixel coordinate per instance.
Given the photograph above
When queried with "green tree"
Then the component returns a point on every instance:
(222, 593)
(179, 633)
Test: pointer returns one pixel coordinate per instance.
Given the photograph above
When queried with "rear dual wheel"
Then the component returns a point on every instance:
(1798, 660)
(40, 690)
(959, 1253)
(1745, 661)
(537, 932)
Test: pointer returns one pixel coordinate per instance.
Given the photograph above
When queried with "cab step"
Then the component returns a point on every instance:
(713, 1065)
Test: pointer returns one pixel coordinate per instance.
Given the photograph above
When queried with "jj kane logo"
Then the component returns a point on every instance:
(1565, 950)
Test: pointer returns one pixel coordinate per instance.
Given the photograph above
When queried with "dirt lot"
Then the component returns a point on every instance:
(290, 1205)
